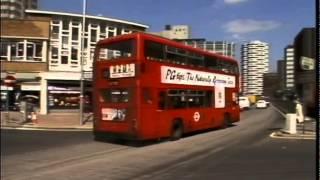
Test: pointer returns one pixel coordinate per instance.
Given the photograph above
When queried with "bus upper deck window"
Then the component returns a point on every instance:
(117, 50)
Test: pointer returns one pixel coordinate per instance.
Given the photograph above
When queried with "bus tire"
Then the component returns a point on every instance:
(176, 130)
(98, 136)
(226, 121)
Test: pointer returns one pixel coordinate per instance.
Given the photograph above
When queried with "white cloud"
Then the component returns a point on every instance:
(234, 1)
(243, 26)
(237, 37)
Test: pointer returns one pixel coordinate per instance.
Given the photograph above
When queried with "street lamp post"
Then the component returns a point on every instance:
(81, 103)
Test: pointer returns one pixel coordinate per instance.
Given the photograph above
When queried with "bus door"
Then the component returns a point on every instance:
(199, 103)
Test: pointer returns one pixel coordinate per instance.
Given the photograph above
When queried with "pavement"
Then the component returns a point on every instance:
(304, 130)
(52, 121)
(69, 121)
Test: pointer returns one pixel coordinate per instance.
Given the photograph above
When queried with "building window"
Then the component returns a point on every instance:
(30, 51)
(111, 31)
(20, 50)
(55, 32)
(25, 50)
(64, 59)
(38, 51)
(4, 50)
(126, 31)
(65, 25)
(54, 52)
(65, 42)
(93, 35)
(75, 33)
(74, 53)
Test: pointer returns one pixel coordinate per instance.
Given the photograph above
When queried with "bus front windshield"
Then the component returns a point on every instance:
(117, 50)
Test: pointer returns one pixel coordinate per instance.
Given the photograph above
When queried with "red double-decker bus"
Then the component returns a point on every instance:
(149, 87)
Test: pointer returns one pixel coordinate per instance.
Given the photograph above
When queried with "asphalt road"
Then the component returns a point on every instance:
(244, 151)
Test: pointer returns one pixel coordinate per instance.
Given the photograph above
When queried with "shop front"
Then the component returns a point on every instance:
(60, 92)
(64, 96)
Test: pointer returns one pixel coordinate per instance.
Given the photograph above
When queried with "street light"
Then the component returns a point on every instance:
(82, 60)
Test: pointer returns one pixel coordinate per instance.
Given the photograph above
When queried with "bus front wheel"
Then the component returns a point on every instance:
(177, 130)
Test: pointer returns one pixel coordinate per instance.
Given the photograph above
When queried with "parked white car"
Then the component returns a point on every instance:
(244, 102)
(261, 104)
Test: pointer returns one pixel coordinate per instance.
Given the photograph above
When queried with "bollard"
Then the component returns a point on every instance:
(291, 124)
(34, 118)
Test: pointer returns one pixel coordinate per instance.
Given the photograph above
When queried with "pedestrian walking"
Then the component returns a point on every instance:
(299, 111)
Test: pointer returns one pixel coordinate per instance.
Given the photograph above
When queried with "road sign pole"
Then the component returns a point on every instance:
(81, 62)
(9, 81)
(7, 105)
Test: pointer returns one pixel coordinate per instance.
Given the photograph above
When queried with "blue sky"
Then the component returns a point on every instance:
(274, 21)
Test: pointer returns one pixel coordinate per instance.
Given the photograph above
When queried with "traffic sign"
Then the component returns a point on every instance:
(10, 81)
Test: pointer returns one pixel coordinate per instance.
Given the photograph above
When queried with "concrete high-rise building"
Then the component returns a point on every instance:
(289, 67)
(15, 9)
(254, 64)
(221, 47)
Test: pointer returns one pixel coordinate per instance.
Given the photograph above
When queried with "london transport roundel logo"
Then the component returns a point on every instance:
(196, 116)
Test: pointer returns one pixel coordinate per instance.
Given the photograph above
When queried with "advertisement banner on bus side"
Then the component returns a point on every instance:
(173, 75)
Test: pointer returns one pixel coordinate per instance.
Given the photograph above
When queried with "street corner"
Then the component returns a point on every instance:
(281, 134)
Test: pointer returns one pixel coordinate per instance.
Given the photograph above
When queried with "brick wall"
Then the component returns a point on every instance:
(24, 66)
(25, 28)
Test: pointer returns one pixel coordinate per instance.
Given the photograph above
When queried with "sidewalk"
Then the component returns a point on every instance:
(52, 121)
(305, 130)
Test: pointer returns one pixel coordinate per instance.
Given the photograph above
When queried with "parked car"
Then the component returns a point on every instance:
(268, 103)
(244, 103)
(261, 104)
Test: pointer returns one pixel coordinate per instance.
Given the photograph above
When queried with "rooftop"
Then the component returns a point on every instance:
(31, 11)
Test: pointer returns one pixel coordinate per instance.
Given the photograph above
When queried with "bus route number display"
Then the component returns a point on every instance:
(121, 71)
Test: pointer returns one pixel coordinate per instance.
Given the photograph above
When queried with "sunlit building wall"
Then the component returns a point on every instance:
(43, 52)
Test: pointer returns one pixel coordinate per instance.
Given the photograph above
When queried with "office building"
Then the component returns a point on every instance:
(305, 71)
(281, 70)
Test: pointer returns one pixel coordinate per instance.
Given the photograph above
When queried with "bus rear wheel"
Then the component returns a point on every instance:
(227, 121)
(98, 136)
(177, 130)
